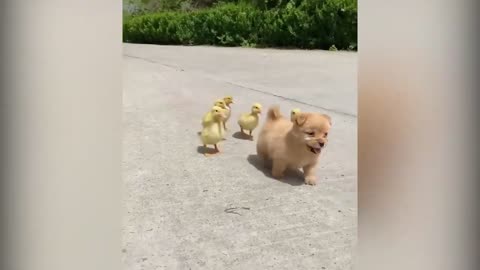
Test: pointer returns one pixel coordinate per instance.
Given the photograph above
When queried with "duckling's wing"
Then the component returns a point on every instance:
(205, 135)
(244, 118)
(245, 115)
(212, 134)
(207, 118)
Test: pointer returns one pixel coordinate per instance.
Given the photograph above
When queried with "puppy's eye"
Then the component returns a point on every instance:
(326, 134)
(310, 133)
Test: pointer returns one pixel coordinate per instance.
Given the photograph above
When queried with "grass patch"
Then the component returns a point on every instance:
(310, 24)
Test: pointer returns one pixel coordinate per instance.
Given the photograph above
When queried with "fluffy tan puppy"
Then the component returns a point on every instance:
(295, 143)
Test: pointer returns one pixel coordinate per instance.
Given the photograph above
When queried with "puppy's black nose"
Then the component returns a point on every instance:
(322, 144)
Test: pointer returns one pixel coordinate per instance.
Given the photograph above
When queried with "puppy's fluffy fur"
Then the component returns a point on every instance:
(295, 143)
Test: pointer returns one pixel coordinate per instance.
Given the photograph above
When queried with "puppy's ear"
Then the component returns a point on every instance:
(300, 119)
(328, 118)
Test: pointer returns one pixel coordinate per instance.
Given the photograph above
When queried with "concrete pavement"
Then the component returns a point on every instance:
(185, 211)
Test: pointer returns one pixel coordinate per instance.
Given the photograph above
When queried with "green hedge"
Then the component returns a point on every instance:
(308, 24)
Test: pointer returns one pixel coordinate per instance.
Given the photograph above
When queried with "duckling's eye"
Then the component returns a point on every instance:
(216, 110)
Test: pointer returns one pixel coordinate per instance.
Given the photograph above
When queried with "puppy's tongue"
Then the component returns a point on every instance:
(315, 150)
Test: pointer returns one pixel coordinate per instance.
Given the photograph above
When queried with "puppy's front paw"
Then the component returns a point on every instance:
(311, 180)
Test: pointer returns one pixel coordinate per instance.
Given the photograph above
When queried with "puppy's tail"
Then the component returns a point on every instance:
(274, 113)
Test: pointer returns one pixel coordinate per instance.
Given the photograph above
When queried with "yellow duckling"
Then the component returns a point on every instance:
(207, 118)
(249, 121)
(228, 101)
(213, 132)
(293, 113)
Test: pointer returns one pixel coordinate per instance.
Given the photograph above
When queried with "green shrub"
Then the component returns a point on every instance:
(302, 24)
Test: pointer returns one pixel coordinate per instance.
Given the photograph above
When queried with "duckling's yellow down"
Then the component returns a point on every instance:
(208, 117)
(228, 102)
(213, 132)
(294, 113)
(249, 121)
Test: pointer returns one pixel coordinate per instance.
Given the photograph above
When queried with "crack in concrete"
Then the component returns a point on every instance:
(232, 210)
(289, 99)
(247, 87)
(154, 62)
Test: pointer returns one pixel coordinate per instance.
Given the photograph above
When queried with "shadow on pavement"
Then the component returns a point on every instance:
(292, 177)
(205, 150)
(241, 136)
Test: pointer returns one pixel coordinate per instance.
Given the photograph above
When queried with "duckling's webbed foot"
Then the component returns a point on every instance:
(251, 136)
(217, 151)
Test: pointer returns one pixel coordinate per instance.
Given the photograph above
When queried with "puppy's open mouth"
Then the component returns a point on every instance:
(315, 150)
